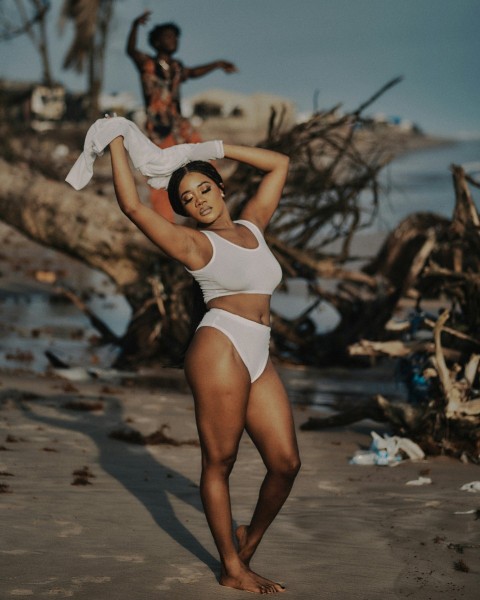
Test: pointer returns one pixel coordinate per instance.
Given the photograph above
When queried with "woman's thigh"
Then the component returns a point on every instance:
(269, 419)
(220, 385)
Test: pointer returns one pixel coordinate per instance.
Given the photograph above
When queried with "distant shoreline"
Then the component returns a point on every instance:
(399, 143)
(391, 140)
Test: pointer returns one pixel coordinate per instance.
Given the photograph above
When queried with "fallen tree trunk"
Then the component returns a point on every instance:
(83, 225)
(91, 228)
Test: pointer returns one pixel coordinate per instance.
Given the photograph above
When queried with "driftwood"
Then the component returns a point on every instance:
(334, 159)
(457, 392)
(445, 418)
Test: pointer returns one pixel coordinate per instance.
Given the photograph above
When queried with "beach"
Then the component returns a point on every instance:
(85, 514)
(88, 515)
(100, 460)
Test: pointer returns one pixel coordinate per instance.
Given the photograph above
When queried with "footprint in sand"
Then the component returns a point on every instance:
(91, 579)
(188, 574)
(131, 558)
(70, 528)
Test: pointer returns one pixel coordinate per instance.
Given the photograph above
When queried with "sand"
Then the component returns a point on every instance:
(83, 515)
(132, 526)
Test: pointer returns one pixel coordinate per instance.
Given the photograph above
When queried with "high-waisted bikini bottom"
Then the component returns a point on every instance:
(250, 339)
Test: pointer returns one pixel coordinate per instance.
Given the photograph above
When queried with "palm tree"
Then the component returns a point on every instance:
(91, 19)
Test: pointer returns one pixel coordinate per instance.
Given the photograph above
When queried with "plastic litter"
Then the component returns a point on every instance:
(420, 481)
(364, 457)
(385, 451)
(411, 449)
(473, 486)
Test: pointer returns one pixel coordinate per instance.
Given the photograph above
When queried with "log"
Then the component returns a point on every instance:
(84, 225)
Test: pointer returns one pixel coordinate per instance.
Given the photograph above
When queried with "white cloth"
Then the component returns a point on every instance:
(153, 162)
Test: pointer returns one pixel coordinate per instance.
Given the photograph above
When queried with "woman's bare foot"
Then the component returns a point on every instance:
(243, 578)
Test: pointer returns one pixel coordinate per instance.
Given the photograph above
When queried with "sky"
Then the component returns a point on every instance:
(341, 51)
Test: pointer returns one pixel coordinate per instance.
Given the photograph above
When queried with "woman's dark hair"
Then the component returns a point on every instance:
(159, 29)
(196, 166)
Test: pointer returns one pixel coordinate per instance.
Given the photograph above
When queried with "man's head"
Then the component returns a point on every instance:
(164, 37)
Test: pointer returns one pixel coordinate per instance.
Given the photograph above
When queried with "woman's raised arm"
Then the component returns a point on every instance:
(177, 241)
(260, 208)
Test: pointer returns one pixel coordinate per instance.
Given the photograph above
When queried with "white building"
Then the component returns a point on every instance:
(238, 117)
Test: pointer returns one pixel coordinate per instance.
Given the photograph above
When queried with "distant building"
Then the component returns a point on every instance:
(395, 121)
(37, 105)
(47, 105)
(238, 117)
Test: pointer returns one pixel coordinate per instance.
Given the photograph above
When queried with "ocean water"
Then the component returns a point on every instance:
(33, 322)
(422, 181)
(30, 323)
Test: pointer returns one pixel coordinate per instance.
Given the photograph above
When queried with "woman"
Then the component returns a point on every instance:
(234, 384)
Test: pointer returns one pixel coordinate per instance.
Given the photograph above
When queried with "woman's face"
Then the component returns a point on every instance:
(201, 197)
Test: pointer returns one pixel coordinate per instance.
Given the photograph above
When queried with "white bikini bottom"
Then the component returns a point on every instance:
(250, 339)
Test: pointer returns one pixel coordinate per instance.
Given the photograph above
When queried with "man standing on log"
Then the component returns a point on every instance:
(161, 77)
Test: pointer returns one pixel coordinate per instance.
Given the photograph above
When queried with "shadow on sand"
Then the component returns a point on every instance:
(131, 465)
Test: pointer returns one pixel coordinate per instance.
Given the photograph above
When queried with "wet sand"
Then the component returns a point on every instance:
(84, 515)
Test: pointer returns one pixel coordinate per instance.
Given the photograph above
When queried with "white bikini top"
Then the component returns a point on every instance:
(236, 270)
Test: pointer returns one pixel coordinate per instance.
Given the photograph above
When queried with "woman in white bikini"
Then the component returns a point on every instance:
(234, 384)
